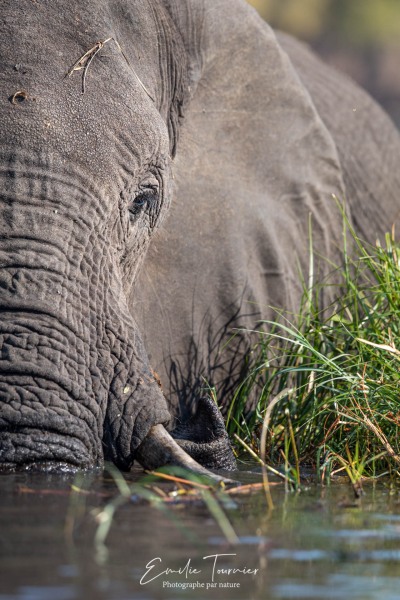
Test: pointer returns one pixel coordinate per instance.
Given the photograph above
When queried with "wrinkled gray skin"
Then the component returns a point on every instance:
(202, 91)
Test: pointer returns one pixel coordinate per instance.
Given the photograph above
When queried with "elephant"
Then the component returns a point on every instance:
(113, 114)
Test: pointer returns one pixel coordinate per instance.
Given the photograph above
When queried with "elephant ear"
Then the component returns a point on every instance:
(252, 142)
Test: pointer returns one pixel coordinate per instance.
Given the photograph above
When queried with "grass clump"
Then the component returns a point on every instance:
(335, 376)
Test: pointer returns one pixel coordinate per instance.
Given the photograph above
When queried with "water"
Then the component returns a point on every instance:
(320, 544)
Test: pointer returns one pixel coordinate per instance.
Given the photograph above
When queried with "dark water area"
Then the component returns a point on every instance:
(318, 544)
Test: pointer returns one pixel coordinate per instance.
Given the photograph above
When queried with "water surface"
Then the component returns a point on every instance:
(319, 544)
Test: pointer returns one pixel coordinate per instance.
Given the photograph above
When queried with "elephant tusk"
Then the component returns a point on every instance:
(159, 449)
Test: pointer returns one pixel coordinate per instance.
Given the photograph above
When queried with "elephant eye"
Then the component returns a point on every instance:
(146, 200)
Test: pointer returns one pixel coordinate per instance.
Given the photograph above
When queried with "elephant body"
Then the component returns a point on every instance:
(114, 114)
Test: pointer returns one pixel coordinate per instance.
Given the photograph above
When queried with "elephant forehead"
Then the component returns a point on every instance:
(75, 79)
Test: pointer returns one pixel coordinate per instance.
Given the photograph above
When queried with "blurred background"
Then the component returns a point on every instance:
(359, 37)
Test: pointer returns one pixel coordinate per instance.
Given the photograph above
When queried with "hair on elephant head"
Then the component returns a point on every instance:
(106, 108)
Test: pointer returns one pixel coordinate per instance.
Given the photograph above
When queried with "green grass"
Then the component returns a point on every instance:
(335, 375)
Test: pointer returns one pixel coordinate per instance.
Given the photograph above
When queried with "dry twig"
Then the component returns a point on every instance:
(180, 480)
(83, 63)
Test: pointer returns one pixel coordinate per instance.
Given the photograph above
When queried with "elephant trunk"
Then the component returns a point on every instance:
(48, 375)
(75, 384)
(48, 414)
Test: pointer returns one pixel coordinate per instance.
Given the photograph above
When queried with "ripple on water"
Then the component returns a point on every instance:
(62, 592)
(343, 587)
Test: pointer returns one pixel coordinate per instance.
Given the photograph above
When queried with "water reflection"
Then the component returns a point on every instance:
(317, 544)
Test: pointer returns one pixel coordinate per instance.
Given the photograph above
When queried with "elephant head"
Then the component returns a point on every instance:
(91, 98)
(101, 102)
